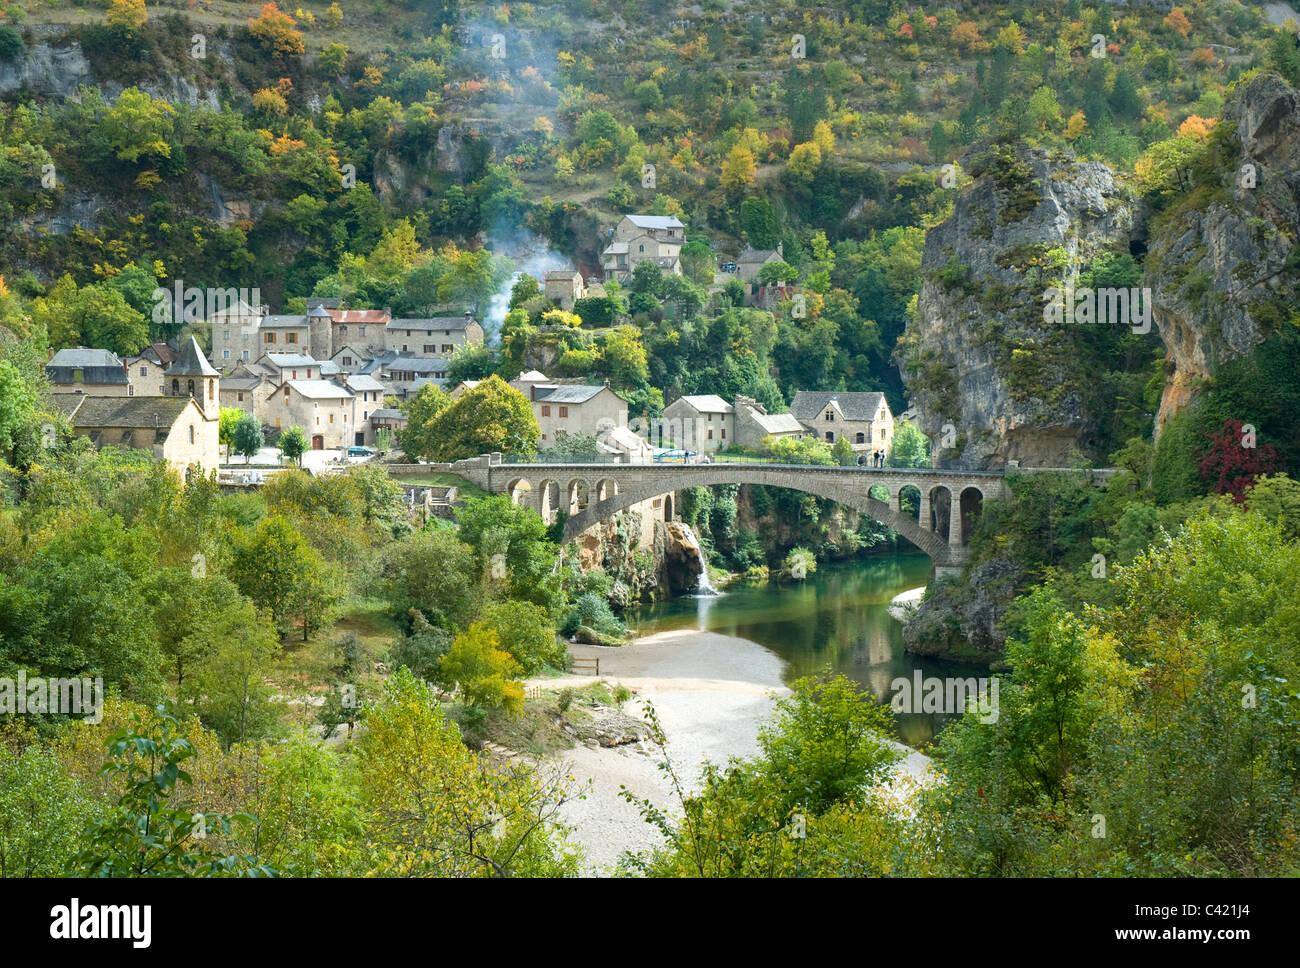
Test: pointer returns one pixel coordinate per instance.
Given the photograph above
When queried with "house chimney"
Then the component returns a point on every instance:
(468, 315)
(51, 356)
(780, 246)
(606, 384)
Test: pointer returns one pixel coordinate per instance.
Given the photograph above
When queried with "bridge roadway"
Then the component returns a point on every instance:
(591, 493)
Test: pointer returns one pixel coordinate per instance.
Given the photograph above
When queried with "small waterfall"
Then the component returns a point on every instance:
(703, 586)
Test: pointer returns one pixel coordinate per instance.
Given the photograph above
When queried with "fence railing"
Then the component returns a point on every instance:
(583, 664)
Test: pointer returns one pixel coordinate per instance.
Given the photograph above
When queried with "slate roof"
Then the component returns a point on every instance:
(283, 322)
(808, 404)
(778, 423)
(360, 381)
(709, 403)
(122, 412)
(96, 366)
(190, 361)
(241, 383)
(387, 413)
(417, 364)
(320, 389)
(159, 353)
(655, 221)
(567, 393)
(759, 256)
(430, 324)
(282, 360)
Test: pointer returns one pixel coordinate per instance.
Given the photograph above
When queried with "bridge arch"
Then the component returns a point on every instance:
(909, 501)
(606, 487)
(842, 485)
(970, 507)
(548, 499)
(520, 491)
(579, 494)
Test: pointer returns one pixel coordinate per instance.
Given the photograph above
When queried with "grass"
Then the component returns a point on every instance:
(540, 731)
(464, 487)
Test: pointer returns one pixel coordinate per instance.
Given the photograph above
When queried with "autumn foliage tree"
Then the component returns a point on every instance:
(1234, 460)
(127, 16)
(274, 29)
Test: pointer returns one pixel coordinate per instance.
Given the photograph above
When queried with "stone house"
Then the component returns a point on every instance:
(644, 238)
(368, 397)
(864, 418)
(92, 372)
(145, 371)
(291, 366)
(437, 336)
(284, 334)
(750, 261)
(753, 423)
(174, 429)
(564, 288)
(400, 374)
(322, 408)
(573, 409)
(702, 423)
(235, 336)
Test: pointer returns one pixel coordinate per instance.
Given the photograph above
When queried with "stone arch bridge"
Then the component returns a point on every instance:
(949, 502)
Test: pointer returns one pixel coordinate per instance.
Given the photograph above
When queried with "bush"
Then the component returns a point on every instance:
(11, 44)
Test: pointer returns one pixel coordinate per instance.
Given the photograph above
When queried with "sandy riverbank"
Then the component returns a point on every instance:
(904, 603)
(711, 692)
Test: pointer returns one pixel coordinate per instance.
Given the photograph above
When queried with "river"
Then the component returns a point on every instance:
(836, 619)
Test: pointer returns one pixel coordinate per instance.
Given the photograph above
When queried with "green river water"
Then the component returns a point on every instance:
(837, 619)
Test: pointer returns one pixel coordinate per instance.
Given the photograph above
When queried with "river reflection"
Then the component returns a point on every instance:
(838, 618)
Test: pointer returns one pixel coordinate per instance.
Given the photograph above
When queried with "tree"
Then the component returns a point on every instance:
(525, 631)
(149, 833)
(43, 812)
(738, 170)
(274, 29)
(910, 448)
(771, 273)
(18, 402)
(293, 444)
(481, 822)
(419, 439)
(1233, 460)
(127, 17)
(484, 674)
(139, 127)
(492, 416)
(275, 567)
(435, 574)
(804, 161)
(247, 438)
(227, 419)
(496, 526)
(842, 453)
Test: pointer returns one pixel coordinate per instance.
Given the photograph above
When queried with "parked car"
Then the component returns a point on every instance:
(360, 452)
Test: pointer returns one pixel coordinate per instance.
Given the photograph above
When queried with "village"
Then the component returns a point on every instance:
(345, 376)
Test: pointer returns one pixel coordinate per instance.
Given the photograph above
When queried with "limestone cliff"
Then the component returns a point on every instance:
(978, 355)
(642, 570)
(1221, 263)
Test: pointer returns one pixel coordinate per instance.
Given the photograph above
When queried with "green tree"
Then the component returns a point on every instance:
(492, 416)
(910, 448)
(419, 439)
(247, 437)
(292, 444)
(275, 567)
(150, 832)
(485, 675)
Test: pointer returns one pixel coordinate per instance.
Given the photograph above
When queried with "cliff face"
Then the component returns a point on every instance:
(649, 561)
(979, 356)
(1218, 263)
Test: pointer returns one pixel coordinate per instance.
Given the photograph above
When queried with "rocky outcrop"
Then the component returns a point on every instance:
(642, 570)
(961, 621)
(991, 379)
(1218, 264)
(46, 71)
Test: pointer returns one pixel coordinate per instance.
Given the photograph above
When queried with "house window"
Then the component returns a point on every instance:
(191, 433)
(710, 435)
(546, 411)
(343, 331)
(830, 415)
(190, 386)
(724, 433)
(830, 437)
(144, 371)
(286, 396)
(268, 337)
(130, 390)
(76, 376)
(291, 337)
(211, 386)
(365, 414)
(347, 361)
(404, 348)
(564, 411)
(430, 348)
(331, 418)
(225, 355)
(861, 439)
(361, 331)
(225, 334)
(245, 354)
(239, 397)
(641, 248)
(277, 421)
(295, 374)
(408, 332)
(447, 347)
